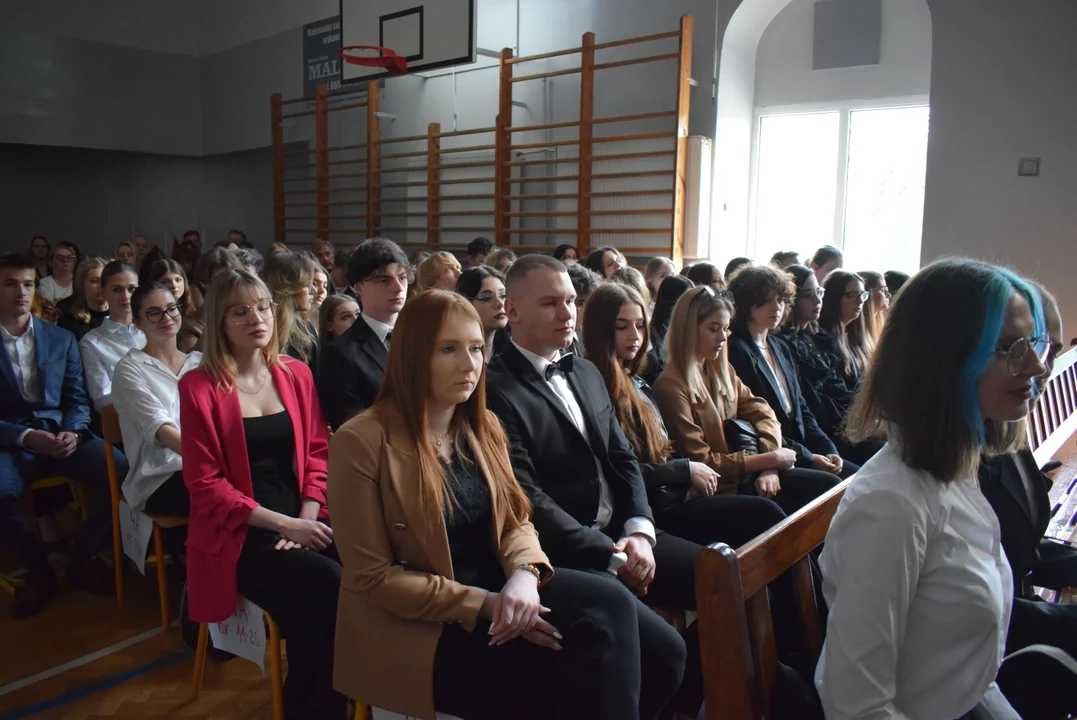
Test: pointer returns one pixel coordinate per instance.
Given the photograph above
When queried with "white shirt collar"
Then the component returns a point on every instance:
(380, 329)
(110, 325)
(29, 332)
(537, 361)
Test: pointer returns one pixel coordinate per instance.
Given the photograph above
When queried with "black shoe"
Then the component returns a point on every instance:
(91, 575)
(30, 598)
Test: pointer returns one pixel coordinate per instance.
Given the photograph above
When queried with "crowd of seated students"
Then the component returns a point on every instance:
(629, 418)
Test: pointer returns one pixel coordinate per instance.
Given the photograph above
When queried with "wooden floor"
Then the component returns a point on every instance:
(128, 667)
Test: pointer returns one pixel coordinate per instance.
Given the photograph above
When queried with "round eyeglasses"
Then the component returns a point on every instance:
(863, 296)
(240, 314)
(1017, 353)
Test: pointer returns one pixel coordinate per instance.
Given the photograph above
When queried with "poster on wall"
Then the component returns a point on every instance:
(321, 55)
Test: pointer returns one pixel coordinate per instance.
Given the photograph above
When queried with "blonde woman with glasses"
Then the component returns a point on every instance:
(255, 450)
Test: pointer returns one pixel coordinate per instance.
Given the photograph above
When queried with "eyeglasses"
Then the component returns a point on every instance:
(884, 290)
(490, 297)
(1017, 353)
(809, 294)
(854, 295)
(63, 258)
(240, 314)
(155, 315)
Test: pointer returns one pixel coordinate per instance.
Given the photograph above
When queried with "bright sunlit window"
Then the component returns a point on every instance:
(851, 177)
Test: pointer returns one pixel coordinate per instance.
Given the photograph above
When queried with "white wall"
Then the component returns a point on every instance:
(225, 24)
(784, 75)
(1002, 87)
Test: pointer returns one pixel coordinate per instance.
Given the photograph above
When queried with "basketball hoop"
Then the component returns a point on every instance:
(386, 58)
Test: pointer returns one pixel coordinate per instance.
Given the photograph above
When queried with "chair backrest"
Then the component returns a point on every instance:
(736, 630)
(110, 425)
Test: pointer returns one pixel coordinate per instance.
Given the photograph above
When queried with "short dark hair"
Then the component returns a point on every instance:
(895, 280)
(672, 288)
(523, 267)
(372, 255)
(735, 264)
(249, 257)
(826, 254)
(584, 280)
(480, 246)
(16, 261)
(938, 339)
(214, 260)
(701, 273)
(470, 281)
(755, 286)
(115, 268)
(782, 257)
(241, 234)
(192, 232)
(559, 252)
(145, 289)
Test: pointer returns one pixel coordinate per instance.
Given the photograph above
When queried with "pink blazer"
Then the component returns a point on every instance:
(217, 473)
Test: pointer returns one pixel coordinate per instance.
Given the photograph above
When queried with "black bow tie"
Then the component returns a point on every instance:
(564, 365)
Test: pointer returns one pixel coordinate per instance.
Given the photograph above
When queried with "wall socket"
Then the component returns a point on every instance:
(1028, 167)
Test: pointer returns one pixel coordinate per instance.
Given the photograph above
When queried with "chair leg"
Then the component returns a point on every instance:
(162, 577)
(117, 543)
(199, 660)
(361, 710)
(276, 674)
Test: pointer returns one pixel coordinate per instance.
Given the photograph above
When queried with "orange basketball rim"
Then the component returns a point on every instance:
(385, 58)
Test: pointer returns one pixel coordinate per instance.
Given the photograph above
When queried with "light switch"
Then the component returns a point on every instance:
(1028, 167)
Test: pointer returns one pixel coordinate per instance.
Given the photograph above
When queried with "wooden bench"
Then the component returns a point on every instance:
(736, 631)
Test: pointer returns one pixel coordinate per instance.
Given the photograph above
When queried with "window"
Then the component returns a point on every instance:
(849, 177)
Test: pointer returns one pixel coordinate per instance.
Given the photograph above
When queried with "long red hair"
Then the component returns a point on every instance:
(406, 388)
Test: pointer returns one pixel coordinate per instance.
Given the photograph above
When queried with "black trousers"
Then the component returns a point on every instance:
(619, 661)
(799, 487)
(299, 589)
(171, 498)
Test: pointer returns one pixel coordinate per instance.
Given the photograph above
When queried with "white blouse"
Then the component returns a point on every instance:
(101, 349)
(146, 396)
(49, 289)
(919, 592)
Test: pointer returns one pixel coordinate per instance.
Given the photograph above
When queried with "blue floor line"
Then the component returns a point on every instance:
(95, 687)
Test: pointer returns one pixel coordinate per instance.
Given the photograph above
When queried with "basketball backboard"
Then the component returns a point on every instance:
(429, 34)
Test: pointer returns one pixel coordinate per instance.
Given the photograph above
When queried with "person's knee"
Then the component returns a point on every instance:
(665, 651)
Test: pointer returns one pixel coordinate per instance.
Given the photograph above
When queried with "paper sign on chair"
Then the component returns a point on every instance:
(243, 633)
(136, 529)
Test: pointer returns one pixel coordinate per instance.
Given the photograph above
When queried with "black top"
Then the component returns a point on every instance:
(312, 360)
(271, 451)
(69, 322)
(667, 483)
(467, 523)
(825, 391)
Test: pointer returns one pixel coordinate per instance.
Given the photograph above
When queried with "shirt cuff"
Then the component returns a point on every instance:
(641, 526)
(18, 440)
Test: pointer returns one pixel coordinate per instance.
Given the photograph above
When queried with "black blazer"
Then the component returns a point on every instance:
(1024, 518)
(824, 389)
(667, 483)
(350, 372)
(800, 432)
(555, 463)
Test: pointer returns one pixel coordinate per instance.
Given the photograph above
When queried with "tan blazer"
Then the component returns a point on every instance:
(397, 589)
(193, 326)
(695, 427)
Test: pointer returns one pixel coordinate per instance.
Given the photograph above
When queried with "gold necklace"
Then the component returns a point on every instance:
(265, 376)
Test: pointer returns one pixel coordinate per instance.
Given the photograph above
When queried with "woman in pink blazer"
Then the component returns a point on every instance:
(255, 452)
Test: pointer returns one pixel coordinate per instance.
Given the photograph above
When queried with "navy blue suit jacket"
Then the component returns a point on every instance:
(59, 372)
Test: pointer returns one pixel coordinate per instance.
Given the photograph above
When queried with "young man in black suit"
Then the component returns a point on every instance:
(570, 455)
(353, 365)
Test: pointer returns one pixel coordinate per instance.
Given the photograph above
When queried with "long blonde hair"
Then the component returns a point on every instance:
(874, 317)
(288, 273)
(79, 310)
(431, 268)
(712, 379)
(217, 357)
(406, 388)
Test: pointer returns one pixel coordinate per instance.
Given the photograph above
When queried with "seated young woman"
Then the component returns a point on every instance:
(290, 276)
(485, 288)
(449, 603)
(844, 339)
(914, 571)
(170, 273)
(146, 397)
(255, 446)
(102, 347)
(86, 309)
(698, 393)
(765, 364)
(335, 316)
(682, 492)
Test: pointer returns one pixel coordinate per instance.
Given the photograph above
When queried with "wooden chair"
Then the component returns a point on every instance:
(276, 673)
(736, 630)
(10, 584)
(110, 425)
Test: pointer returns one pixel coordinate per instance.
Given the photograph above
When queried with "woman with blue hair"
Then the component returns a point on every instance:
(915, 577)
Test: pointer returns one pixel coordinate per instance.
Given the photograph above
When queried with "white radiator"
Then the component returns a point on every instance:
(697, 201)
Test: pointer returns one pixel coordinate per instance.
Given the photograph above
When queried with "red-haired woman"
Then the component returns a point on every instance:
(444, 600)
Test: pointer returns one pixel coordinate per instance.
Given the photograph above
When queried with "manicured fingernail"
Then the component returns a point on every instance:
(543, 608)
(558, 636)
(557, 646)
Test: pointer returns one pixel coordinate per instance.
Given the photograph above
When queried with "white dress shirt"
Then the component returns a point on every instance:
(101, 349)
(146, 396)
(22, 352)
(49, 289)
(559, 384)
(919, 592)
(380, 329)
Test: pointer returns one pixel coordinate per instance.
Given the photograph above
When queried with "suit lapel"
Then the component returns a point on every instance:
(587, 405)
(791, 382)
(41, 358)
(763, 367)
(9, 374)
(370, 344)
(1010, 470)
(537, 384)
